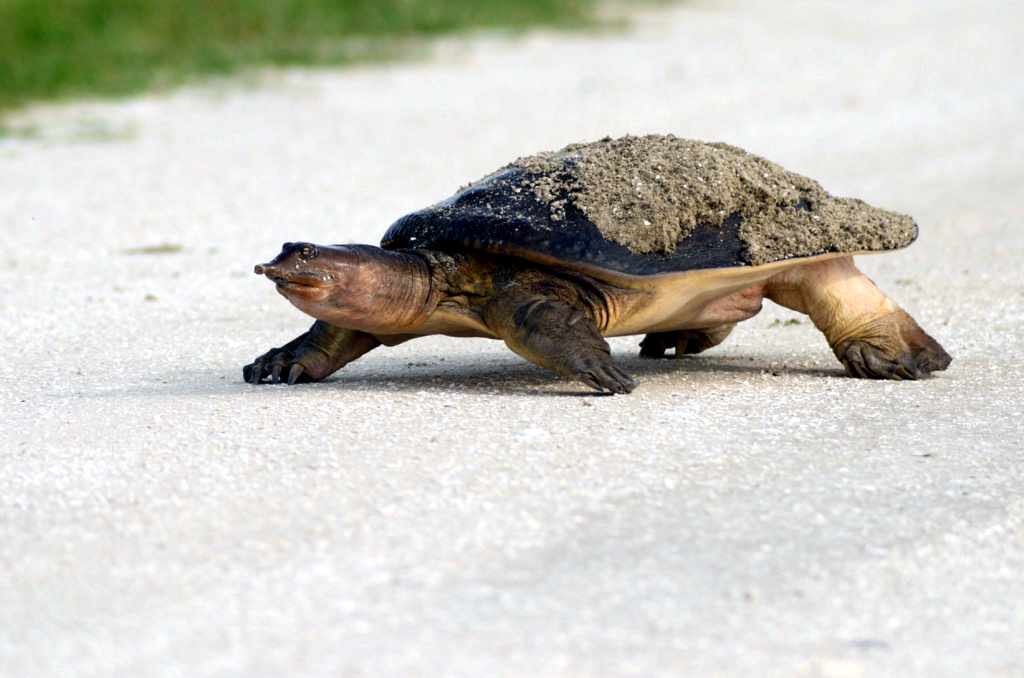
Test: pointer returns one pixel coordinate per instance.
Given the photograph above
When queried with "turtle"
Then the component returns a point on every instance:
(672, 238)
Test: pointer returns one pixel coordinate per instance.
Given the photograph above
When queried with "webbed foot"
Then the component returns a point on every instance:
(870, 335)
(864, 360)
(602, 374)
(272, 364)
(555, 334)
(902, 350)
(311, 356)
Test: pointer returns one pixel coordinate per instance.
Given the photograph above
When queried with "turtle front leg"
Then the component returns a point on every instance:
(870, 334)
(551, 332)
(311, 356)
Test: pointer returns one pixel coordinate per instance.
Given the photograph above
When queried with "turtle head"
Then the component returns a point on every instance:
(358, 287)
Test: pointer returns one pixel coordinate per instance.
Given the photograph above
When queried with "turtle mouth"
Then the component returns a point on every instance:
(286, 280)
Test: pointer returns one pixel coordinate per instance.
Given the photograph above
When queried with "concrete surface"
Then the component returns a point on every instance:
(445, 509)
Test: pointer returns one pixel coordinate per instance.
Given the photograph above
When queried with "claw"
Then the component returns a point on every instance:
(625, 382)
(607, 378)
(908, 369)
(616, 385)
(588, 379)
(294, 373)
(252, 373)
(867, 363)
(275, 373)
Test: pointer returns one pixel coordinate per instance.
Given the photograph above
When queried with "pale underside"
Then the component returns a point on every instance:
(693, 299)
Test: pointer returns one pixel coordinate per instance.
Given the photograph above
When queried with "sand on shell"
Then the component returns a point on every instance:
(648, 193)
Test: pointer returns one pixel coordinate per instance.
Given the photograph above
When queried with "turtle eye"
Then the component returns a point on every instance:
(307, 252)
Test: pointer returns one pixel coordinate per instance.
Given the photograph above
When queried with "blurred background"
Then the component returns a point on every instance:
(61, 48)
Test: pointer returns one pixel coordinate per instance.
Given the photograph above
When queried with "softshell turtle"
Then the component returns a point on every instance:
(674, 238)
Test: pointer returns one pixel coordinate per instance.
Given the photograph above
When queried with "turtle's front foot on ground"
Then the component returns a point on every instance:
(312, 356)
(555, 334)
(604, 375)
(275, 364)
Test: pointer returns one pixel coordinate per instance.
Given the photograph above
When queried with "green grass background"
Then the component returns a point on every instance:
(62, 48)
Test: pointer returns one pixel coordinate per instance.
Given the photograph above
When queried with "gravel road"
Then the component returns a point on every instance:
(444, 508)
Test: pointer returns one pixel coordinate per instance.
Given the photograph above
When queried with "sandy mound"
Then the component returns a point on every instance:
(650, 192)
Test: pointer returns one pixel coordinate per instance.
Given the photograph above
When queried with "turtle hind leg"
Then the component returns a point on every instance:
(555, 334)
(683, 342)
(870, 335)
(894, 348)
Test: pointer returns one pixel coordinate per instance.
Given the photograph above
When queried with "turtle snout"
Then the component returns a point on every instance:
(258, 270)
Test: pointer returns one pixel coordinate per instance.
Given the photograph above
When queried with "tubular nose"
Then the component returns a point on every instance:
(258, 270)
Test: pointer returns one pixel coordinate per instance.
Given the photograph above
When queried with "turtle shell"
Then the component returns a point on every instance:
(641, 206)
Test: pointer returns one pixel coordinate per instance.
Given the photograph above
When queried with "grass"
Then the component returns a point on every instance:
(53, 49)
